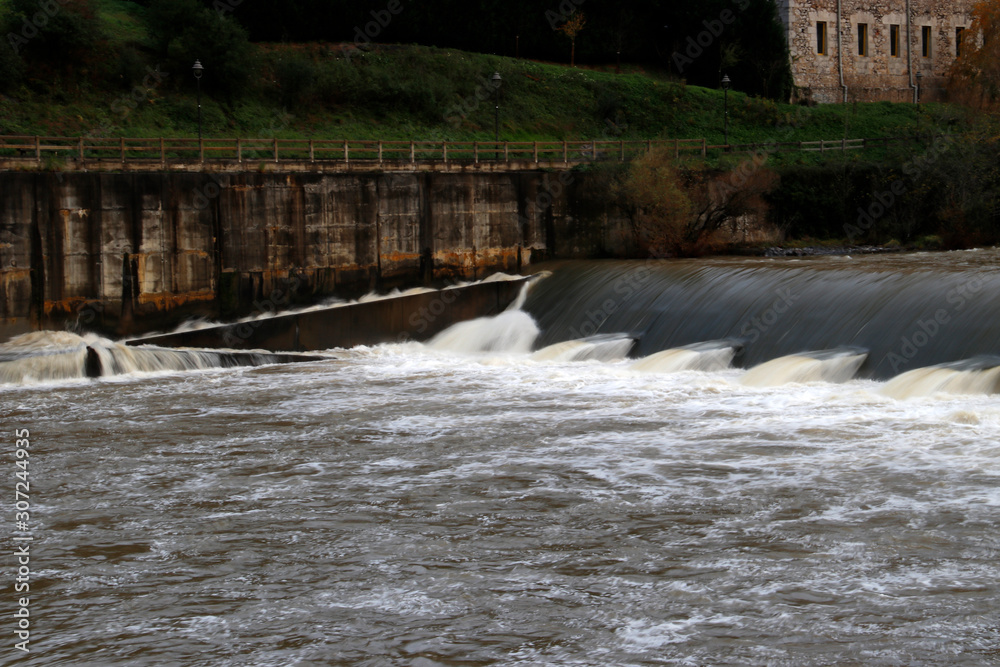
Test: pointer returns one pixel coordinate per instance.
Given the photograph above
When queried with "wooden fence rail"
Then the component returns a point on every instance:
(168, 151)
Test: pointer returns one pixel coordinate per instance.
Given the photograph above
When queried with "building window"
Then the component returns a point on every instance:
(894, 41)
(862, 39)
(958, 41)
(925, 41)
(821, 37)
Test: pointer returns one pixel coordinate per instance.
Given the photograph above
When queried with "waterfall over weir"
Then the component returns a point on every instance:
(49, 356)
(904, 311)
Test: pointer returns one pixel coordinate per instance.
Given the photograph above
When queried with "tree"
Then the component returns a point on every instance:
(679, 212)
(732, 200)
(571, 28)
(660, 209)
(59, 34)
(974, 79)
(185, 30)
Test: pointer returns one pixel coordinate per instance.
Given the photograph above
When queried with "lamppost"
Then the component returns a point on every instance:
(725, 94)
(920, 75)
(198, 69)
(496, 120)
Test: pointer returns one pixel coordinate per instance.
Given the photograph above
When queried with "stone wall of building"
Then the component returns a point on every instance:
(877, 73)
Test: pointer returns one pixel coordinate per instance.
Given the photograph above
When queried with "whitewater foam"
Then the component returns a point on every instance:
(835, 366)
(706, 357)
(606, 348)
(513, 331)
(980, 375)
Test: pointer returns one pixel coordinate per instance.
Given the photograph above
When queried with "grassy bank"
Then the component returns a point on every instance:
(334, 91)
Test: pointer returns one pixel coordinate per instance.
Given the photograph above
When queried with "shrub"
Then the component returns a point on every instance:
(185, 30)
(661, 210)
(62, 34)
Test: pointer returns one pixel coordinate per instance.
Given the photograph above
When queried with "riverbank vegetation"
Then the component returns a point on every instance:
(109, 68)
(113, 68)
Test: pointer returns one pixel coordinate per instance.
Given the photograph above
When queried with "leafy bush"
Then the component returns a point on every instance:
(297, 78)
(59, 34)
(184, 31)
(662, 211)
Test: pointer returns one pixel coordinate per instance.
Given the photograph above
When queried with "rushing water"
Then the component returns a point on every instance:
(417, 505)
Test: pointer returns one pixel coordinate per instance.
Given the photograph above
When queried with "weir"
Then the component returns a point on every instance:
(48, 356)
(128, 253)
(393, 318)
(52, 356)
(904, 312)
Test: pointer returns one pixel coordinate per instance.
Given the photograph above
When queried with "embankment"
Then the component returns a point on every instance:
(127, 252)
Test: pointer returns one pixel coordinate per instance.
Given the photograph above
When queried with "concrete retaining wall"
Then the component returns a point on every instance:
(124, 253)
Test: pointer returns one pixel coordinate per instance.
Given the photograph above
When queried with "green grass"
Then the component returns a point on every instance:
(413, 92)
(123, 21)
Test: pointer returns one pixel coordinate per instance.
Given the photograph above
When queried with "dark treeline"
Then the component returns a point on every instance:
(697, 41)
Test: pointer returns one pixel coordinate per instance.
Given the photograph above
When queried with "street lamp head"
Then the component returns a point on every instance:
(197, 69)
(726, 82)
(496, 80)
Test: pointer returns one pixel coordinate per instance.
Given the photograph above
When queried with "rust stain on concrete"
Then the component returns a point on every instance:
(168, 301)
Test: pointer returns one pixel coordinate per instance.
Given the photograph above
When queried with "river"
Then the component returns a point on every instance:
(422, 505)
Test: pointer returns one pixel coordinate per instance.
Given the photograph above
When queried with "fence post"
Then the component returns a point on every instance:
(476, 150)
(38, 147)
(163, 152)
(444, 151)
(565, 153)
(506, 154)
(704, 147)
(347, 159)
(121, 147)
(380, 152)
(275, 150)
(312, 151)
(239, 150)
(535, 152)
(593, 151)
(413, 153)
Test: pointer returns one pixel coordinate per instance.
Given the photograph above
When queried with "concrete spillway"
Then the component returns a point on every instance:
(407, 317)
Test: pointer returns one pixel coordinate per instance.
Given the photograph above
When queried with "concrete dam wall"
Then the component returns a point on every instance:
(124, 253)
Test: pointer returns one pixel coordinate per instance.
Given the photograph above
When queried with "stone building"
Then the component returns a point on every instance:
(849, 50)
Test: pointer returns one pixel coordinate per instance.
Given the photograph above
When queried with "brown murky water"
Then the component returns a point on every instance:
(404, 505)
